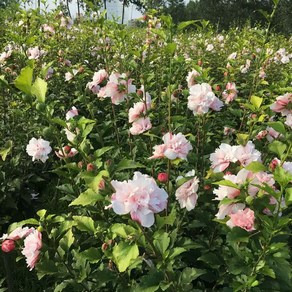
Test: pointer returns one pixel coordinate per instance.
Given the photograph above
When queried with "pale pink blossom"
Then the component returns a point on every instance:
(231, 192)
(32, 246)
(227, 209)
(136, 111)
(71, 113)
(272, 134)
(191, 78)
(202, 99)
(38, 149)
(230, 93)
(146, 97)
(222, 157)
(49, 73)
(260, 179)
(177, 146)
(35, 53)
(232, 56)
(243, 219)
(262, 74)
(70, 135)
(48, 28)
(19, 233)
(244, 68)
(141, 197)
(247, 154)
(288, 121)
(140, 126)
(283, 104)
(187, 195)
(261, 134)
(100, 76)
(209, 47)
(158, 151)
(69, 75)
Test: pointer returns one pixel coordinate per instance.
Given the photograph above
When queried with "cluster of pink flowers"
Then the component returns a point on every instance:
(175, 146)
(186, 194)
(202, 99)
(230, 93)
(140, 123)
(38, 149)
(32, 243)
(283, 105)
(225, 154)
(141, 197)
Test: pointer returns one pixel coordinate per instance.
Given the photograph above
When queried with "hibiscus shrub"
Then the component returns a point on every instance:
(144, 159)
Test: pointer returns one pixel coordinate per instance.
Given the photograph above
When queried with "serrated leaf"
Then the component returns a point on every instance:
(39, 89)
(24, 80)
(85, 223)
(124, 230)
(87, 198)
(128, 164)
(124, 254)
(277, 147)
(67, 240)
(255, 167)
(161, 241)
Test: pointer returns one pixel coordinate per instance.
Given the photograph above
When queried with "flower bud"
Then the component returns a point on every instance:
(162, 177)
(8, 245)
(90, 167)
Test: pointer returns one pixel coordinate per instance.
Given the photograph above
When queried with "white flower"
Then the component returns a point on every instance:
(38, 149)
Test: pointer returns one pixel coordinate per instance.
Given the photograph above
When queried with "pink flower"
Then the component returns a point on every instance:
(19, 233)
(66, 152)
(71, 113)
(158, 151)
(230, 93)
(272, 134)
(48, 28)
(38, 149)
(187, 195)
(191, 78)
(32, 246)
(222, 157)
(243, 219)
(69, 75)
(99, 76)
(227, 209)
(8, 245)
(177, 146)
(140, 126)
(35, 53)
(136, 111)
(260, 178)
(283, 104)
(202, 99)
(247, 154)
(140, 197)
(261, 134)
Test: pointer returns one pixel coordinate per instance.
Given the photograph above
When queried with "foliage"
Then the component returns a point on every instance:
(92, 240)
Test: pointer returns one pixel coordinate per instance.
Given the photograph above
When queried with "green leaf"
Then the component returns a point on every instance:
(185, 24)
(256, 101)
(278, 126)
(85, 223)
(282, 176)
(24, 80)
(242, 139)
(227, 183)
(101, 151)
(211, 259)
(150, 282)
(124, 230)
(42, 213)
(39, 89)
(190, 274)
(67, 240)
(238, 234)
(128, 164)
(87, 198)
(161, 241)
(93, 255)
(94, 184)
(170, 48)
(8, 147)
(124, 254)
(277, 147)
(288, 196)
(46, 267)
(60, 122)
(255, 167)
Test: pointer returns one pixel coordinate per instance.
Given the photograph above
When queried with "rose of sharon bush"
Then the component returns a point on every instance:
(175, 146)
(141, 197)
(202, 98)
(32, 246)
(38, 149)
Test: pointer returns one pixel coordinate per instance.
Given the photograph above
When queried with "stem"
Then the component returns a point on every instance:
(115, 123)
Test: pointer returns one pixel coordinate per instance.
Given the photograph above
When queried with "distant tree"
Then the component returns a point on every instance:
(6, 3)
(176, 8)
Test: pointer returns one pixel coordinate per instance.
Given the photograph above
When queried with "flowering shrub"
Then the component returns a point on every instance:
(163, 157)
